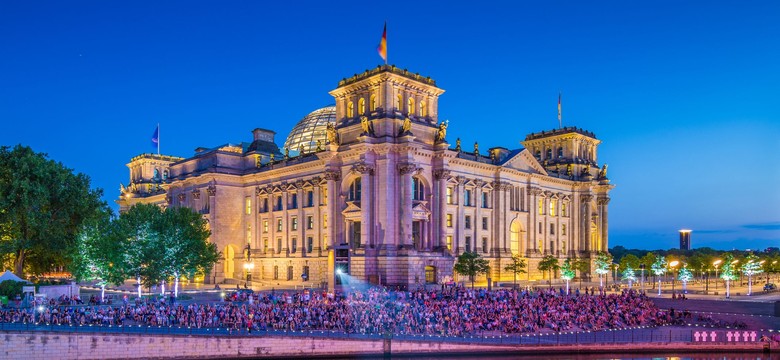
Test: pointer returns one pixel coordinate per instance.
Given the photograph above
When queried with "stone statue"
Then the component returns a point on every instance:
(406, 127)
(457, 145)
(122, 188)
(568, 170)
(333, 136)
(603, 172)
(442, 132)
(272, 158)
(586, 170)
(365, 124)
(258, 161)
(476, 149)
(319, 145)
(286, 153)
(494, 155)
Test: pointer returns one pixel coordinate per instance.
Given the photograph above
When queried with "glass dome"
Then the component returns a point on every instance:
(310, 129)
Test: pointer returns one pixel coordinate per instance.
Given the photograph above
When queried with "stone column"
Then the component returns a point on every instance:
(499, 219)
(587, 206)
(460, 230)
(300, 233)
(533, 209)
(602, 202)
(476, 224)
(317, 233)
(333, 178)
(285, 223)
(366, 203)
(406, 170)
(440, 225)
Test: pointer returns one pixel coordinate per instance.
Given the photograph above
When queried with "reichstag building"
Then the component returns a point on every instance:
(372, 188)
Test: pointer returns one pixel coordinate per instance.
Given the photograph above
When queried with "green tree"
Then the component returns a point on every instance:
(567, 272)
(603, 262)
(629, 275)
(140, 244)
(659, 269)
(470, 264)
(548, 263)
(751, 267)
(685, 276)
(11, 288)
(629, 260)
(96, 253)
(728, 272)
(516, 266)
(43, 206)
(582, 266)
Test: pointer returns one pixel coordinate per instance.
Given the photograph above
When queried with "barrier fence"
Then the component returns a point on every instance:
(623, 336)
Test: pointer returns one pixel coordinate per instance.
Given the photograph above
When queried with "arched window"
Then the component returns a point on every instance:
(372, 102)
(514, 237)
(423, 109)
(362, 106)
(354, 190)
(418, 189)
(548, 154)
(350, 109)
(156, 173)
(538, 155)
(410, 109)
(560, 152)
(165, 174)
(399, 105)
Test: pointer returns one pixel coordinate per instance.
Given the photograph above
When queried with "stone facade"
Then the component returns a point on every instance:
(384, 196)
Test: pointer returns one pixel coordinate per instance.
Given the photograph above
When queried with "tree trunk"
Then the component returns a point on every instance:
(19, 263)
(102, 293)
(176, 284)
(162, 288)
(139, 286)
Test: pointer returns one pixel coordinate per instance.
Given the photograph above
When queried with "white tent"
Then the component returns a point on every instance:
(8, 275)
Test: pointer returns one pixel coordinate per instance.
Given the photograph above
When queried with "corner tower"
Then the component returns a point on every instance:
(386, 97)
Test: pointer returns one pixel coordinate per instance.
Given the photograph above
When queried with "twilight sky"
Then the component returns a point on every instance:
(684, 95)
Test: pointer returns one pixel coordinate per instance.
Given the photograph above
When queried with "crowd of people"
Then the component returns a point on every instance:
(451, 312)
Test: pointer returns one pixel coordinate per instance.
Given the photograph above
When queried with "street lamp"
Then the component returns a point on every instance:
(248, 266)
(715, 263)
(671, 266)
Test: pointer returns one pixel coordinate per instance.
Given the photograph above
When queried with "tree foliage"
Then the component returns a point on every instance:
(603, 262)
(470, 264)
(659, 266)
(43, 207)
(567, 270)
(548, 263)
(727, 269)
(629, 274)
(516, 266)
(751, 266)
(685, 275)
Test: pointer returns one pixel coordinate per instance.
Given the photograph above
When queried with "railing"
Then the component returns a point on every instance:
(623, 336)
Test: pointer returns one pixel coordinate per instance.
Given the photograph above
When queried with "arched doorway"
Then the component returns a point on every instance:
(230, 254)
(514, 237)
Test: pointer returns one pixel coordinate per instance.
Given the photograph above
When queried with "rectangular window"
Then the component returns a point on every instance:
(248, 204)
(248, 233)
(289, 273)
(309, 244)
(541, 206)
(449, 195)
(484, 199)
(356, 240)
(468, 243)
(264, 207)
(467, 222)
(563, 229)
(324, 221)
(305, 273)
(449, 220)
(265, 226)
(294, 223)
(449, 242)
(552, 229)
(416, 229)
(540, 227)
(563, 209)
(294, 245)
(553, 202)
(309, 198)
(265, 245)
(484, 223)
(484, 245)
(309, 222)
(278, 203)
(279, 224)
(278, 245)
(276, 272)
(294, 201)
(324, 193)
(467, 198)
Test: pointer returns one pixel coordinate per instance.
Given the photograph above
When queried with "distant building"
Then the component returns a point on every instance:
(685, 239)
(371, 187)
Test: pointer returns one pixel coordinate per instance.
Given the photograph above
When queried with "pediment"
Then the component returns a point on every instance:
(352, 207)
(524, 161)
(420, 210)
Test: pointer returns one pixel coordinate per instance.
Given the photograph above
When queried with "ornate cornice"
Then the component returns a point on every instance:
(332, 175)
(363, 168)
(406, 168)
(603, 200)
(586, 198)
(441, 174)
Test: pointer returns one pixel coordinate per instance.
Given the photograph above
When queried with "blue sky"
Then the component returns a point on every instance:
(684, 95)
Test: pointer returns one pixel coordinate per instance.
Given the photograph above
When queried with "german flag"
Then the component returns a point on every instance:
(382, 48)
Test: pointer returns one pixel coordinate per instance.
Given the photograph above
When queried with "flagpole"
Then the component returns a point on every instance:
(560, 123)
(158, 139)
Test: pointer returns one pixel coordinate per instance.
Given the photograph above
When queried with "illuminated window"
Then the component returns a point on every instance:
(449, 220)
(423, 109)
(248, 203)
(541, 206)
(560, 152)
(372, 102)
(563, 229)
(399, 102)
(362, 106)
(248, 233)
(563, 209)
(430, 274)
(324, 221)
(265, 245)
(350, 109)
(449, 242)
(324, 193)
(553, 202)
(309, 222)
(410, 109)
(354, 190)
(467, 222)
(418, 189)
(449, 195)
(265, 226)
(278, 224)
(294, 223)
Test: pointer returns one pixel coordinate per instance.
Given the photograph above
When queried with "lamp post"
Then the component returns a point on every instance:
(716, 263)
(248, 266)
(642, 277)
(671, 266)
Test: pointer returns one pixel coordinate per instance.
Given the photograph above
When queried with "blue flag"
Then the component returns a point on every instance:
(156, 137)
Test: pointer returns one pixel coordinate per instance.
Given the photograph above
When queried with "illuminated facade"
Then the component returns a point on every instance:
(382, 194)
